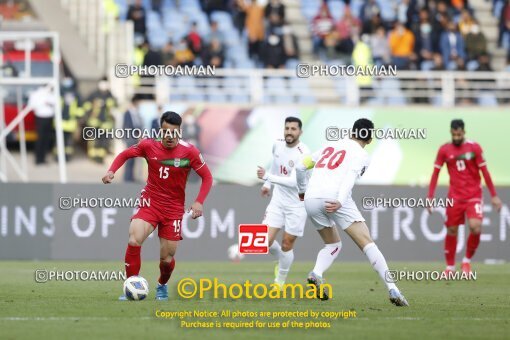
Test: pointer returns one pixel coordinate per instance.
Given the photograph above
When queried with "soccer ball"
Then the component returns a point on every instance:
(234, 254)
(136, 288)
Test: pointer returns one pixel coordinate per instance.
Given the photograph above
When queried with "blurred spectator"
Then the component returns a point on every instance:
(43, 103)
(476, 43)
(373, 24)
(194, 40)
(290, 43)
(191, 134)
(425, 37)
(452, 48)
(401, 45)
(136, 13)
(254, 25)
(362, 56)
(346, 27)
(183, 54)
(214, 54)
(484, 63)
(238, 16)
(209, 6)
(156, 7)
(275, 7)
(168, 54)
(369, 9)
(14, 10)
(99, 115)
(322, 25)
(380, 47)
(404, 11)
(132, 120)
(273, 50)
(215, 33)
(466, 22)
(438, 62)
(71, 114)
(152, 58)
(504, 25)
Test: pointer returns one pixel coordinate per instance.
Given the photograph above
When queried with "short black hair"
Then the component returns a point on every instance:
(457, 124)
(136, 98)
(362, 129)
(171, 118)
(294, 120)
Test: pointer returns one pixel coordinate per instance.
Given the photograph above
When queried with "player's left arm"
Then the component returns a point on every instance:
(202, 170)
(356, 170)
(482, 165)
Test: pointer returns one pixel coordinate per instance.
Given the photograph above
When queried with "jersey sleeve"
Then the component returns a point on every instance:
(440, 159)
(196, 159)
(479, 159)
(137, 150)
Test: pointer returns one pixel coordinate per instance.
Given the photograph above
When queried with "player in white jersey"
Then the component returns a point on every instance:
(285, 210)
(328, 202)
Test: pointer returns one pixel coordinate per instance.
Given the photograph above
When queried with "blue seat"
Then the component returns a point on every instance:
(223, 19)
(240, 98)
(306, 99)
(487, 99)
(336, 8)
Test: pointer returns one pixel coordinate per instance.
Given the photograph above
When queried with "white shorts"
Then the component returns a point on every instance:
(293, 219)
(343, 217)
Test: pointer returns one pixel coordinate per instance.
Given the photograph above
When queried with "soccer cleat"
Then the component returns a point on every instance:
(317, 281)
(466, 268)
(278, 285)
(398, 299)
(162, 292)
(448, 273)
(123, 298)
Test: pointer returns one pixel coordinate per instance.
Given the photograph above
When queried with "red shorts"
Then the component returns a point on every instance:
(455, 215)
(168, 228)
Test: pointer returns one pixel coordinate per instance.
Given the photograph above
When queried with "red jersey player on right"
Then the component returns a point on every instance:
(464, 160)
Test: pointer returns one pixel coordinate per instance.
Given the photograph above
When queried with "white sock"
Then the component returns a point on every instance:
(275, 249)
(376, 259)
(326, 257)
(286, 259)
(466, 260)
(452, 268)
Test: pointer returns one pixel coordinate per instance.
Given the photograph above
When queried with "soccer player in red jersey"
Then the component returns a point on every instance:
(464, 160)
(170, 161)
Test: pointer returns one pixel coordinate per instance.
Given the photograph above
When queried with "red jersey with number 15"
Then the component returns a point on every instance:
(463, 163)
(168, 173)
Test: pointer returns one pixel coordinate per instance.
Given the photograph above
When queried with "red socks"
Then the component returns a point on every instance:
(472, 244)
(132, 260)
(450, 247)
(166, 269)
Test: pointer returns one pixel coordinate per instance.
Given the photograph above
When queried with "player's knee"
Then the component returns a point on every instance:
(287, 244)
(133, 241)
(475, 229)
(452, 231)
(167, 258)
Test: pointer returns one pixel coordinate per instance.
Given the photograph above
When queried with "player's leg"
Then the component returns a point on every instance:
(274, 219)
(169, 237)
(359, 233)
(139, 230)
(332, 243)
(295, 220)
(475, 230)
(450, 248)
(454, 218)
(274, 246)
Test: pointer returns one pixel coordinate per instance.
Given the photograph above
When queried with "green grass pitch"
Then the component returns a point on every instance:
(79, 310)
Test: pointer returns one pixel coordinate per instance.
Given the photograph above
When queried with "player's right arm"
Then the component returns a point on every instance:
(136, 150)
(306, 163)
(438, 164)
(265, 191)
